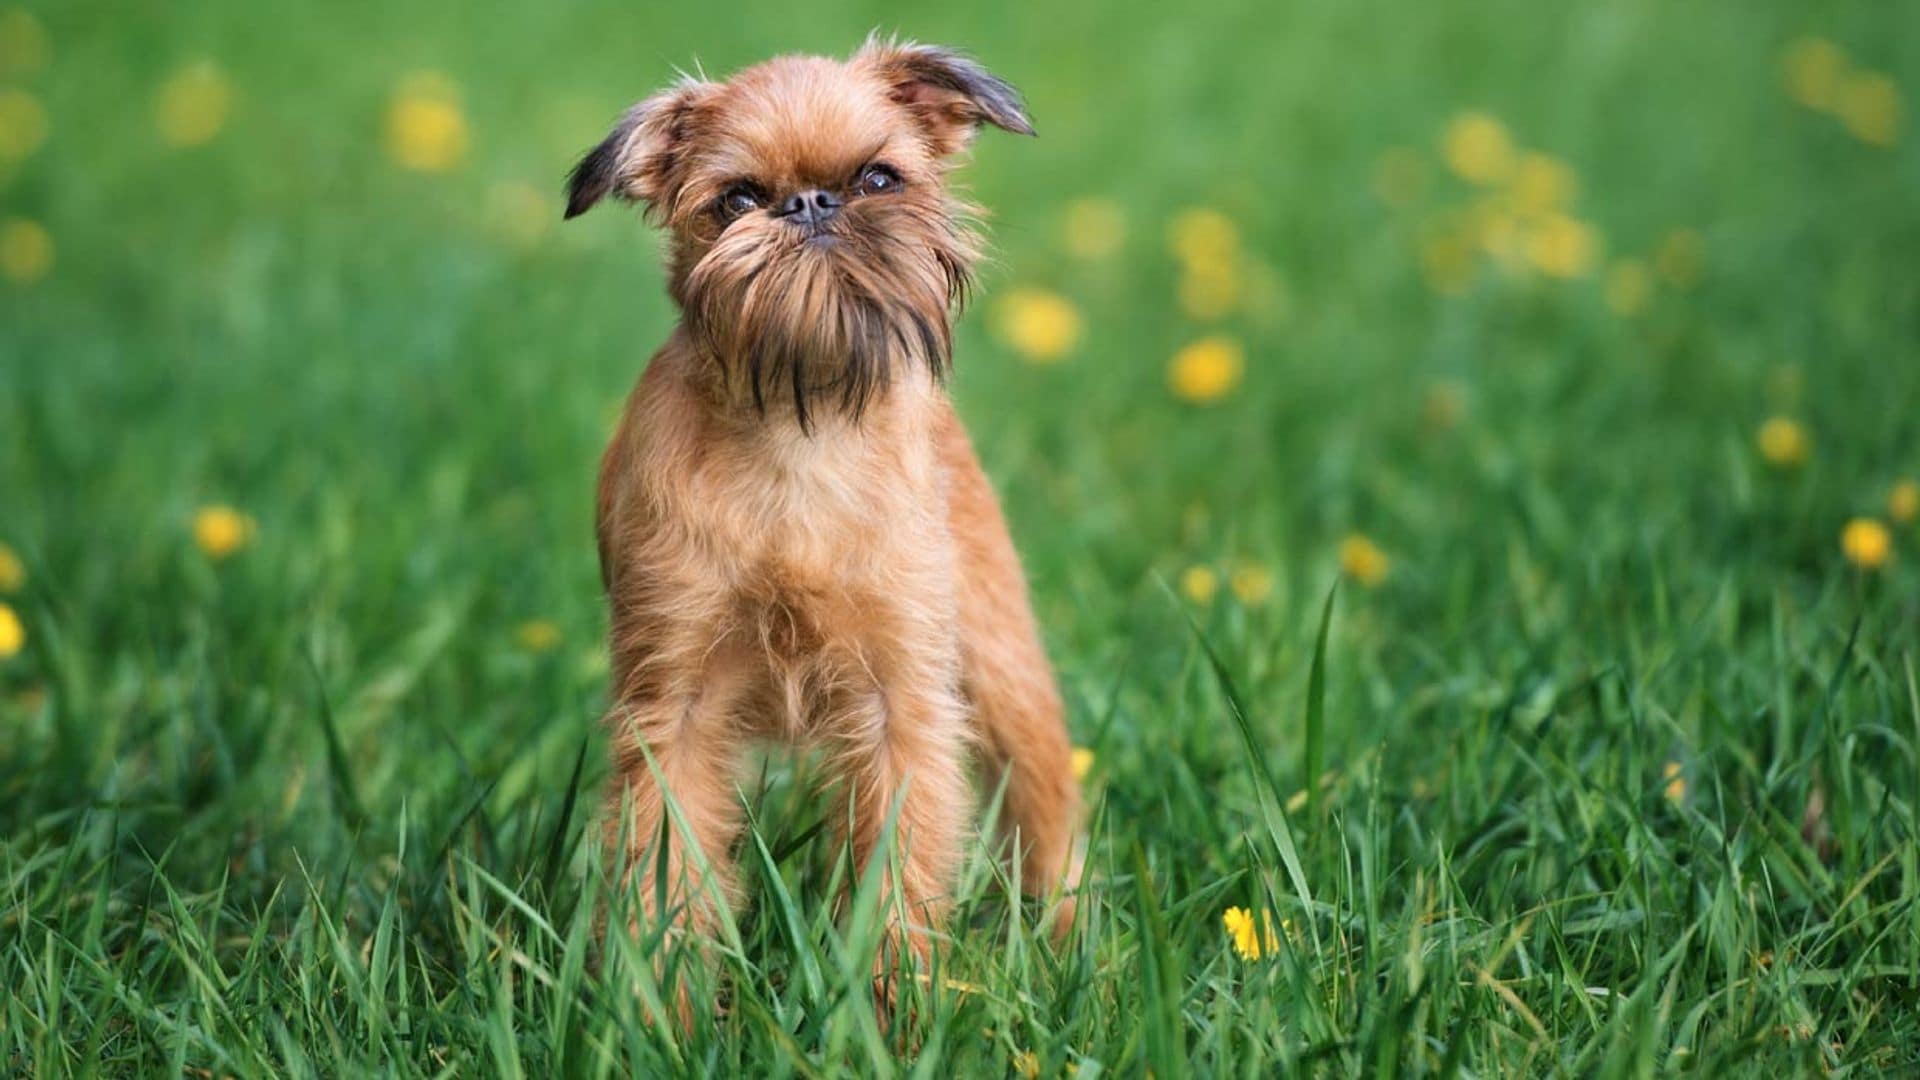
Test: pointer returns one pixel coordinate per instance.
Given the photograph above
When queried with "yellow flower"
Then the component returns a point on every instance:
(1444, 405)
(1209, 290)
(1498, 232)
(518, 213)
(1561, 246)
(1206, 370)
(13, 572)
(1251, 583)
(1813, 68)
(193, 105)
(1026, 1063)
(1040, 325)
(26, 251)
(537, 635)
(1399, 176)
(1676, 787)
(1680, 257)
(1869, 106)
(1541, 184)
(1629, 287)
(1247, 937)
(1903, 502)
(1199, 583)
(13, 635)
(1094, 228)
(1362, 560)
(1203, 236)
(1783, 442)
(1446, 260)
(1265, 295)
(1866, 543)
(23, 125)
(1477, 148)
(23, 44)
(426, 131)
(221, 530)
(1082, 763)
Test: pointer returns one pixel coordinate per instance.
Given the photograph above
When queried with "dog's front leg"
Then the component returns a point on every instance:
(678, 741)
(902, 757)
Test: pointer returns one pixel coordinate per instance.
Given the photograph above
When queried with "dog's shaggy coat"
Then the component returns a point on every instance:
(796, 539)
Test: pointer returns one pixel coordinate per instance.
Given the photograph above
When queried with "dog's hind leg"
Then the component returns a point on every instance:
(1010, 686)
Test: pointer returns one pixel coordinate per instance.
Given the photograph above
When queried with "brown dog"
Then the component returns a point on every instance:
(796, 539)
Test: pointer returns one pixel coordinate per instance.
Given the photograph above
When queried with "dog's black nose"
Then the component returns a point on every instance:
(814, 207)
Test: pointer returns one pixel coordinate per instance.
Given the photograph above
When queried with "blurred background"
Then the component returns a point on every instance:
(297, 356)
(1574, 338)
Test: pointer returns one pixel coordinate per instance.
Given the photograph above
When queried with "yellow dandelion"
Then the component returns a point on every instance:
(1202, 236)
(1785, 383)
(1866, 543)
(1400, 176)
(1082, 763)
(1477, 148)
(1251, 583)
(1783, 442)
(1362, 560)
(1094, 228)
(1444, 406)
(426, 131)
(1040, 325)
(1247, 935)
(1026, 1063)
(1681, 257)
(1813, 68)
(1629, 287)
(24, 48)
(1446, 260)
(193, 105)
(1199, 583)
(1541, 184)
(13, 572)
(1498, 231)
(26, 251)
(519, 213)
(1903, 502)
(1562, 246)
(1206, 370)
(13, 633)
(537, 635)
(1869, 106)
(1265, 296)
(1676, 782)
(221, 530)
(1209, 290)
(23, 125)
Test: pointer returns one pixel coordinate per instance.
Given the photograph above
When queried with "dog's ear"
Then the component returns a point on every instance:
(636, 161)
(948, 91)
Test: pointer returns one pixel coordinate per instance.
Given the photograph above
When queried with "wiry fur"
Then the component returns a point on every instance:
(796, 539)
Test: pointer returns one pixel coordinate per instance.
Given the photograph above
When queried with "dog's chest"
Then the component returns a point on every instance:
(793, 520)
(819, 546)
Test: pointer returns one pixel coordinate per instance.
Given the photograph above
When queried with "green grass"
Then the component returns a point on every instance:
(314, 809)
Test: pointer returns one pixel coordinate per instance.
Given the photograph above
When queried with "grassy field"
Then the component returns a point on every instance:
(1575, 356)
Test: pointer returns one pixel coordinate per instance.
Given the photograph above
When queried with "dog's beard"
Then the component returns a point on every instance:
(824, 320)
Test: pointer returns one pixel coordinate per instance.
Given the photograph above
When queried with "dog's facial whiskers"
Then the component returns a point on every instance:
(810, 327)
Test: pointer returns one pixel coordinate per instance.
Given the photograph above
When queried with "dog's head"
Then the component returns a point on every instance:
(815, 246)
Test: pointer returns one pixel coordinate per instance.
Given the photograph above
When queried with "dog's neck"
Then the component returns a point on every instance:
(907, 393)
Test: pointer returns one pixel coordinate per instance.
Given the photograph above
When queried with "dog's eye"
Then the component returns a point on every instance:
(877, 180)
(739, 199)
